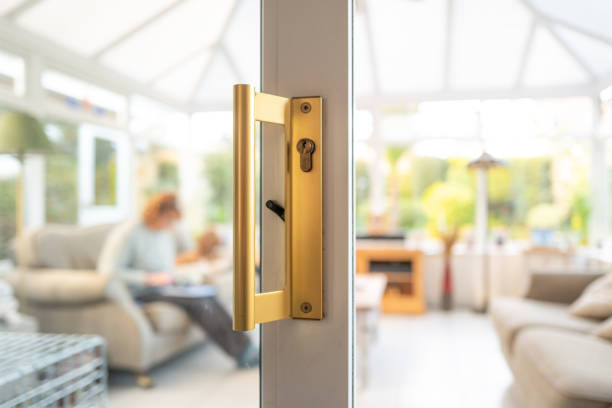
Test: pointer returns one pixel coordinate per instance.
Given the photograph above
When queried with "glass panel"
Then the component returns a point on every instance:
(590, 15)
(547, 55)
(105, 172)
(244, 50)
(61, 173)
(9, 172)
(8, 5)
(218, 82)
(364, 76)
(135, 188)
(12, 73)
(406, 62)
(597, 55)
(87, 27)
(413, 190)
(85, 98)
(182, 82)
(189, 28)
(488, 60)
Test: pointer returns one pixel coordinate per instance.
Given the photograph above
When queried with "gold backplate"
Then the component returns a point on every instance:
(305, 217)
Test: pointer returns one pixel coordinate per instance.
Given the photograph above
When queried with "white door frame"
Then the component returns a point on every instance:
(307, 51)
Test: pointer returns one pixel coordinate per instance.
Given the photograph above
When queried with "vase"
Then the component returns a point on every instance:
(447, 283)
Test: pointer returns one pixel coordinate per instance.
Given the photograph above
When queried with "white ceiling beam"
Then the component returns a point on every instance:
(375, 72)
(567, 24)
(20, 9)
(57, 57)
(546, 23)
(526, 52)
(218, 48)
(232, 63)
(168, 70)
(571, 52)
(604, 82)
(98, 54)
(448, 43)
(369, 101)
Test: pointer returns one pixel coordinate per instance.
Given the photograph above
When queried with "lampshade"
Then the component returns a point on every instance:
(486, 161)
(21, 133)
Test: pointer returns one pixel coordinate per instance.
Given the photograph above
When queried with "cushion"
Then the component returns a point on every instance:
(596, 300)
(59, 286)
(604, 330)
(559, 368)
(67, 246)
(511, 315)
(167, 318)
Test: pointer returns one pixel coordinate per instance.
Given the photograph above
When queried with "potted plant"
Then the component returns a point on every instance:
(449, 208)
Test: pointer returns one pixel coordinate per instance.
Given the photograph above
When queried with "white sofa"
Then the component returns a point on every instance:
(556, 360)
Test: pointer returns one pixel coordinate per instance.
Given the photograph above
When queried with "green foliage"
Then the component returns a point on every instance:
(393, 154)
(449, 207)
(167, 179)
(362, 181)
(105, 183)
(579, 212)
(61, 174)
(218, 173)
(7, 215)
(362, 215)
(499, 184)
(424, 172)
(412, 214)
(458, 172)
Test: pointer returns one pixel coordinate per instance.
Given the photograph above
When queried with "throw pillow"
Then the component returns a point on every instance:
(604, 330)
(596, 300)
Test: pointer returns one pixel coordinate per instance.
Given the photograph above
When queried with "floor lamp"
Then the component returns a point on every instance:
(20, 135)
(482, 165)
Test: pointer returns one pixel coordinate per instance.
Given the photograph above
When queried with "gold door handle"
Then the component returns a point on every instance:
(302, 295)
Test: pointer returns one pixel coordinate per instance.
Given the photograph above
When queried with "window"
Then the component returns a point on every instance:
(12, 73)
(61, 173)
(9, 170)
(78, 96)
(545, 144)
(103, 155)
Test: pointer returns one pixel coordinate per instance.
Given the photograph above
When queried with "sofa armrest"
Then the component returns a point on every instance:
(59, 286)
(559, 287)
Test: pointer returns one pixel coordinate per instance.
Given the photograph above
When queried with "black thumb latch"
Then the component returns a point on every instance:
(276, 209)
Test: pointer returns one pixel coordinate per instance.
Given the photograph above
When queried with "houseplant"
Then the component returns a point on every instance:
(449, 207)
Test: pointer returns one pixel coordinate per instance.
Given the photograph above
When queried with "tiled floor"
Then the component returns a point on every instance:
(437, 360)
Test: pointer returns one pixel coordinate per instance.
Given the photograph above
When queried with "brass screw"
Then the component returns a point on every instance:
(306, 307)
(305, 107)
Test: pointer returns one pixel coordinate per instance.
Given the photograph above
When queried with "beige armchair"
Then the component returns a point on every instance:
(66, 278)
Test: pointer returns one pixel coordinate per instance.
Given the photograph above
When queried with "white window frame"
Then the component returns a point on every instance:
(89, 213)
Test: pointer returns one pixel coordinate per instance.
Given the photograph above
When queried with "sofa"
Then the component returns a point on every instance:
(556, 360)
(67, 279)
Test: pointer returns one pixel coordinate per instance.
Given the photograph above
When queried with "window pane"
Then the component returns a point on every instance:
(105, 173)
(76, 95)
(61, 175)
(12, 73)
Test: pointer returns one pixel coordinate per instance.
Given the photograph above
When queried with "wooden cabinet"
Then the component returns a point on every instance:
(404, 271)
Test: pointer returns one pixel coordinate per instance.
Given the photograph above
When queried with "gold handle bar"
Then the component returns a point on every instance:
(251, 308)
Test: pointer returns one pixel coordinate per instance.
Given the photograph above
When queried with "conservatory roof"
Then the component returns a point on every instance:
(190, 52)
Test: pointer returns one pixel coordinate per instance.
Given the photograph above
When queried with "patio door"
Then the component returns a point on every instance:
(307, 51)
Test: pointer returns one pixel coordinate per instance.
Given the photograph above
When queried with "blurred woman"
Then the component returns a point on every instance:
(147, 264)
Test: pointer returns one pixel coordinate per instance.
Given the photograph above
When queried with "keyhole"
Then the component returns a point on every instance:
(306, 148)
